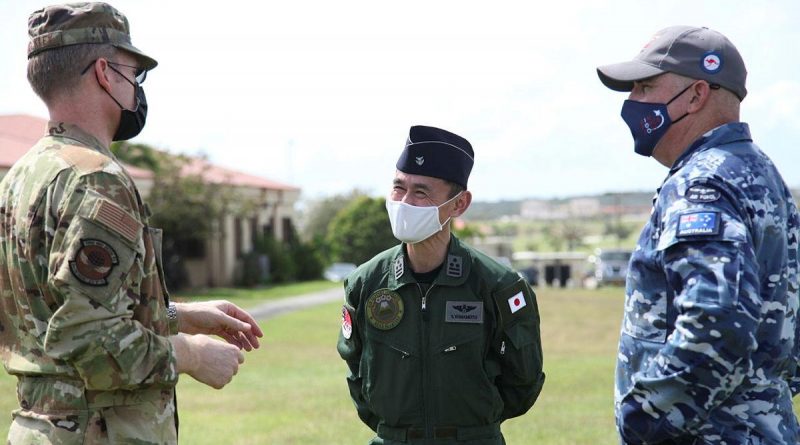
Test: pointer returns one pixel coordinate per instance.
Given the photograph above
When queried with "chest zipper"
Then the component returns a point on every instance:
(427, 410)
(404, 354)
(450, 349)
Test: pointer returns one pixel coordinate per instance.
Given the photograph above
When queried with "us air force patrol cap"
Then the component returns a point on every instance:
(76, 23)
(437, 153)
(698, 53)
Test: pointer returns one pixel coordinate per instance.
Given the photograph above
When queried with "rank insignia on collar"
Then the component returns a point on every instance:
(454, 266)
(399, 268)
(384, 309)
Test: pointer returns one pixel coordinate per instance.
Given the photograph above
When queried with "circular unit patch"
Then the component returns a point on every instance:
(93, 262)
(384, 309)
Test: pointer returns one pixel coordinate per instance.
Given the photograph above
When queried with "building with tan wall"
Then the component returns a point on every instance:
(269, 208)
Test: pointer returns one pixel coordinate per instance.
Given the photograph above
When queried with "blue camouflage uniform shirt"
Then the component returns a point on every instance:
(708, 349)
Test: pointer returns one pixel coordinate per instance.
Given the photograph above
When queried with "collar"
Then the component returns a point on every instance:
(724, 134)
(454, 273)
(71, 131)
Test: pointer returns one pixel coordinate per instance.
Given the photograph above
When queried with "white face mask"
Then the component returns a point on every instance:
(412, 224)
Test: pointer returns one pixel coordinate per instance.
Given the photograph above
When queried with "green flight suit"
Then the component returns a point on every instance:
(83, 322)
(445, 362)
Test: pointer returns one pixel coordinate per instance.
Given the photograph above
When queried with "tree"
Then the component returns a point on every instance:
(321, 212)
(618, 230)
(185, 207)
(360, 231)
(139, 155)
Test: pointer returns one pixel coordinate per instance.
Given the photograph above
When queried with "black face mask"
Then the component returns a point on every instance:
(131, 122)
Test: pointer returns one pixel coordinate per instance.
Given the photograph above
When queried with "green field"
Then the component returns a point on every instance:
(292, 390)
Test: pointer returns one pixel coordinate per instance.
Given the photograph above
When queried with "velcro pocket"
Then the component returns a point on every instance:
(513, 303)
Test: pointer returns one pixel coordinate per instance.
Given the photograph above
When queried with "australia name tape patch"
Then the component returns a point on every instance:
(698, 224)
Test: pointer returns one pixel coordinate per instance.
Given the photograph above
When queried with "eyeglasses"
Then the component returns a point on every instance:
(139, 74)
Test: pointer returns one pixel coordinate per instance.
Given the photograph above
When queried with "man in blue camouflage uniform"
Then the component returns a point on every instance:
(708, 349)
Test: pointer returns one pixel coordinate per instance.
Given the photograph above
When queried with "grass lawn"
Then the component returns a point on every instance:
(292, 390)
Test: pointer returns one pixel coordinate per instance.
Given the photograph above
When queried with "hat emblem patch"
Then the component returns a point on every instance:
(420, 160)
(711, 63)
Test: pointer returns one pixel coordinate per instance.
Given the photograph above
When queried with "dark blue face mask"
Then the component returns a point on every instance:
(648, 122)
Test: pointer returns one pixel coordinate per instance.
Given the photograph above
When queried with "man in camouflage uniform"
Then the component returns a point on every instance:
(709, 344)
(442, 342)
(86, 324)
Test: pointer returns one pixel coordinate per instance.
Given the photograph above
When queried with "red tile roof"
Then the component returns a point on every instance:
(19, 132)
(221, 175)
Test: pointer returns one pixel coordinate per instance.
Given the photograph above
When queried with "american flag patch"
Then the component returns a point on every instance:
(118, 220)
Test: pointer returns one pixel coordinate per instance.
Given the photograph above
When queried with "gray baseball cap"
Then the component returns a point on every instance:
(698, 53)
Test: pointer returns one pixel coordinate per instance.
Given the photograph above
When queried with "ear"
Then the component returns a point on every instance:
(100, 69)
(462, 203)
(700, 91)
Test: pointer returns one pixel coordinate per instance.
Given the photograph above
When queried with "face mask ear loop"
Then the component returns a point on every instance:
(677, 96)
(444, 203)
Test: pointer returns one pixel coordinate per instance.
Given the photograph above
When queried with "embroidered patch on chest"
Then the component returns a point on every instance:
(464, 312)
(698, 224)
(384, 309)
(701, 193)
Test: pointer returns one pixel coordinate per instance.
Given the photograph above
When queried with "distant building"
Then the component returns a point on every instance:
(560, 209)
(636, 205)
(217, 263)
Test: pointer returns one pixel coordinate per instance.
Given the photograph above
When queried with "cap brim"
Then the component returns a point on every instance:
(620, 76)
(148, 62)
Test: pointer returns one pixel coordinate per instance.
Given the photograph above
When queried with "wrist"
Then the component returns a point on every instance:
(184, 353)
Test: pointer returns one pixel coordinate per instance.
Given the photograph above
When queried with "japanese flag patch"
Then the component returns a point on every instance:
(347, 323)
(517, 302)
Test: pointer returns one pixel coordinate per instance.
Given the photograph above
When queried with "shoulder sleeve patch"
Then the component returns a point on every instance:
(702, 193)
(513, 301)
(703, 223)
(116, 219)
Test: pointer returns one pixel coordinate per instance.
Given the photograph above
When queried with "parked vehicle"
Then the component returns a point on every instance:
(338, 271)
(611, 266)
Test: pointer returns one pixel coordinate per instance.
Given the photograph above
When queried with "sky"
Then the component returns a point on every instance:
(320, 94)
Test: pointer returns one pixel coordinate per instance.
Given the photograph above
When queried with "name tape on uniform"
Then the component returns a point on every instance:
(464, 312)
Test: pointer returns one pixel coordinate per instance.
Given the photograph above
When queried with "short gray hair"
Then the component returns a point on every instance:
(57, 71)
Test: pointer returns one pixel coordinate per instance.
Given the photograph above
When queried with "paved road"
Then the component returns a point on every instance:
(274, 308)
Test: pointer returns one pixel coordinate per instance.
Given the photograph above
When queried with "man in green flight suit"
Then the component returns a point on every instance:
(86, 325)
(442, 342)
